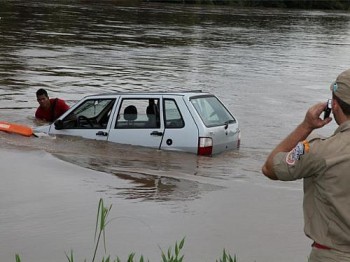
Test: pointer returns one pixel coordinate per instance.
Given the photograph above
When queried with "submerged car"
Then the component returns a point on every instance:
(194, 121)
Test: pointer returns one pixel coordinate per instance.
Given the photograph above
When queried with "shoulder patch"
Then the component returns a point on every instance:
(295, 154)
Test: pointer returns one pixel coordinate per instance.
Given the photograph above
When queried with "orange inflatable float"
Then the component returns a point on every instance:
(16, 128)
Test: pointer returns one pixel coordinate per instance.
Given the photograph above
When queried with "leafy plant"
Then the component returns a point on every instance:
(70, 258)
(102, 222)
(174, 257)
(227, 257)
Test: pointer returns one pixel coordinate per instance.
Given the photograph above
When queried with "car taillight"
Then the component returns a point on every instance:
(205, 146)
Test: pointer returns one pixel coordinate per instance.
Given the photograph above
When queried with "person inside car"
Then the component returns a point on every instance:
(153, 114)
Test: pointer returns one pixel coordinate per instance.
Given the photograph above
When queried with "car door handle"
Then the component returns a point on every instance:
(101, 133)
(156, 133)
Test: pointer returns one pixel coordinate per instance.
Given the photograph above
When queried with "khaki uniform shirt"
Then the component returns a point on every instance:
(324, 164)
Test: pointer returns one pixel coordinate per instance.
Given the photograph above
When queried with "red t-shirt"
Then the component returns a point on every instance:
(58, 107)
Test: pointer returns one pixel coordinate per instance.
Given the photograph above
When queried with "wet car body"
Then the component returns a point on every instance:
(194, 121)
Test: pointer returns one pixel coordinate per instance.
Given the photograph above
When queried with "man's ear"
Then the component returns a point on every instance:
(335, 105)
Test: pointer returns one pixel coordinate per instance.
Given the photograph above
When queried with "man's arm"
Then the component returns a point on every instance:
(311, 121)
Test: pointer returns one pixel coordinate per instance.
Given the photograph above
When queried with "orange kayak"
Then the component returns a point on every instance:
(16, 128)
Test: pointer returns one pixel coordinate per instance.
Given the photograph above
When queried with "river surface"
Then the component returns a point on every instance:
(267, 65)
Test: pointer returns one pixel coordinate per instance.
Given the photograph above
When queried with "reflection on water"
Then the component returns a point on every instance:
(155, 174)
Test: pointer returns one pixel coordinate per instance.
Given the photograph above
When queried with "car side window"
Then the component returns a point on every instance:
(173, 117)
(138, 113)
(92, 114)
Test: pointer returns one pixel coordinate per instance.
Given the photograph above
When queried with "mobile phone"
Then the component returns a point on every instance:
(328, 109)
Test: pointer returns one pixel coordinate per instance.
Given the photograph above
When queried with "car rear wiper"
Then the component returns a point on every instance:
(228, 122)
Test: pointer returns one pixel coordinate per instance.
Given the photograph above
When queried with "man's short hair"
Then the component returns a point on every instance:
(41, 92)
(344, 106)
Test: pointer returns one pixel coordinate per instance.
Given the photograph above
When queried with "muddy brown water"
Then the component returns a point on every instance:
(267, 66)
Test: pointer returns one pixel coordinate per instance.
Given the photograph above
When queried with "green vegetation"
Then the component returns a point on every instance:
(101, 223)
(303, 4)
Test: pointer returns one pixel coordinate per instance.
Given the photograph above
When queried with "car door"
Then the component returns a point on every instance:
(181, 132)
(138, 121)
(91, 118)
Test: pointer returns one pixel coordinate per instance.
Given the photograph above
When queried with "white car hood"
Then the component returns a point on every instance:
(42, 129)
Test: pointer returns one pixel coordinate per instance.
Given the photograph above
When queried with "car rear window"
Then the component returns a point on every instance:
(212, 111)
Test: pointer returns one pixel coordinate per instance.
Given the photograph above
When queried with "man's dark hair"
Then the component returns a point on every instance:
(41, 92)
(344, 106)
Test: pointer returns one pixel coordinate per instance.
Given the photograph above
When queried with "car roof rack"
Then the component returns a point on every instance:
(193, 91)
(149, 92)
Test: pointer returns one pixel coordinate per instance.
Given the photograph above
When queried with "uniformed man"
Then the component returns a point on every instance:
(324, 164)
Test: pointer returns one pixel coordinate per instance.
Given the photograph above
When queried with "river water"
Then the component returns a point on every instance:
(267, 65)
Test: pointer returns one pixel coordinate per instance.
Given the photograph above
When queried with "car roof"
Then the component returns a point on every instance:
(190, 93)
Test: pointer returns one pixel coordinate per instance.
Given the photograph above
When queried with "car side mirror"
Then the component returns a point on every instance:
(58, 124)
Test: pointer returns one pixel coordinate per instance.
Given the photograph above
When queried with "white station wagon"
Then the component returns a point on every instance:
(194, 121)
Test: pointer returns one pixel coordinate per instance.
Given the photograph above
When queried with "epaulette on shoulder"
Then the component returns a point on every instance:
(313, 137)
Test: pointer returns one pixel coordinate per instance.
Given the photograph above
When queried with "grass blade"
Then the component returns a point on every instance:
(18, 259)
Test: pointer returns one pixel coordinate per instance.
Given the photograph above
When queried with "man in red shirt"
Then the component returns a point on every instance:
(49, 109)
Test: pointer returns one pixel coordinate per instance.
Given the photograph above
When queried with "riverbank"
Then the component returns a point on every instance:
(299, 4)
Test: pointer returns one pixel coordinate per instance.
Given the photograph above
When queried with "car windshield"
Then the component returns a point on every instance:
(92, 113)
(212, 111)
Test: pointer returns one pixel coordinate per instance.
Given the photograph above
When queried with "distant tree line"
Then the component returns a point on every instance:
(304, 4)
